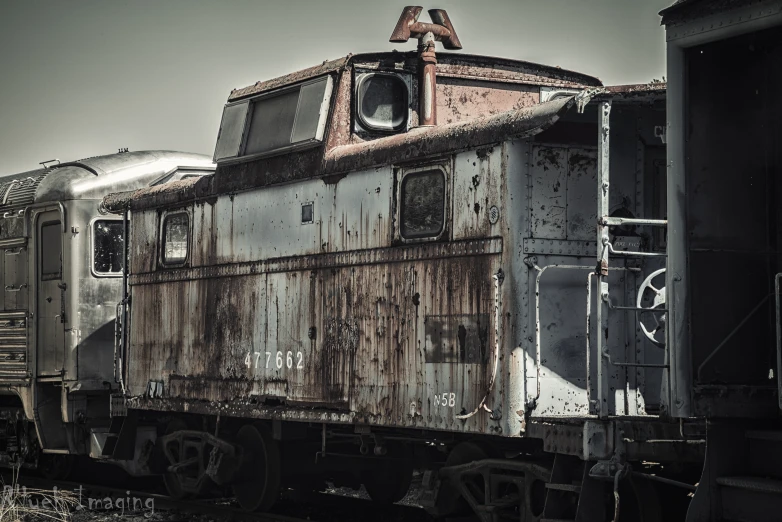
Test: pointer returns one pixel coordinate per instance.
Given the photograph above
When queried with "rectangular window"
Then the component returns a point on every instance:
(423, 204)
(107, 247)
(231, 129)
(175, 238)
(51, 251)
(275, 122)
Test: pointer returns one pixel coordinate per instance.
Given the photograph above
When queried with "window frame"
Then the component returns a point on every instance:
(51, 276)
(162, 238)
(305, 144)
(359, 124)
(403, 174)
(91, 226)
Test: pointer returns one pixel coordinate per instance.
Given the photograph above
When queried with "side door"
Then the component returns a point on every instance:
(50, 298)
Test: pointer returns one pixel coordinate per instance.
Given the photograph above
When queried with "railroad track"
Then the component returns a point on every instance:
(292, 507)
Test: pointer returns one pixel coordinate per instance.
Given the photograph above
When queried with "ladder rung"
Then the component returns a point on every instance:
(619, 221)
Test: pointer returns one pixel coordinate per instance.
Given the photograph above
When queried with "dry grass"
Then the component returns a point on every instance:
(22, 504)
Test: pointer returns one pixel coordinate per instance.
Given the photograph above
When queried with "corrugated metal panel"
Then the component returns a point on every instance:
(19, 192)
(13, 346)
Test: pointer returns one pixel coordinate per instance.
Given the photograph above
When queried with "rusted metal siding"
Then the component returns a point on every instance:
(378, 330)
(237, 229)
(563, 180)
(460, 65)
(368, 339)
(478, 182)
(144, 242)
(463, 100)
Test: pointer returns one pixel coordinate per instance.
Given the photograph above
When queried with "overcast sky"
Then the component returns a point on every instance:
(86, 77)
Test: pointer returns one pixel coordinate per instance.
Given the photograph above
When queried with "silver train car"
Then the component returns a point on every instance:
(415, 260)
(61, 261)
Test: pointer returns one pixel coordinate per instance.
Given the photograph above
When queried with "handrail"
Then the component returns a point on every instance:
(538, 355)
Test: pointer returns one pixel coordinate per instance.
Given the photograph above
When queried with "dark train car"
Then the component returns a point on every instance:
(61, 260)
(440, 261)
(724, 264)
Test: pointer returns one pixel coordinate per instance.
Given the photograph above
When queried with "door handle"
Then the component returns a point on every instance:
(12, 288)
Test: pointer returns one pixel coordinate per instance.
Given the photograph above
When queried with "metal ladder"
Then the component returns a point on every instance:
(604, 250)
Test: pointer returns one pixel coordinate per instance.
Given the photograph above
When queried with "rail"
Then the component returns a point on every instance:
(540, 272)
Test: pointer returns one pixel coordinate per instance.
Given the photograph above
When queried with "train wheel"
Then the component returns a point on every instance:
(260, 471)
(449, 500)
(389, 482)
(173, 481)
(56, 467)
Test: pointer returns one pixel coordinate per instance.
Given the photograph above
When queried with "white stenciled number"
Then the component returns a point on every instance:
(445, 400)
(286, 359)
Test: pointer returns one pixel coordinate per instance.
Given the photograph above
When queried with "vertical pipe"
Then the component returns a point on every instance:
(427, 81)
(124, 331)
(678, 333)
(603, 183)
(588, 348)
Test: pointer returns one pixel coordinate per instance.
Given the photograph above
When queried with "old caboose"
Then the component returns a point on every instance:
(409, 259)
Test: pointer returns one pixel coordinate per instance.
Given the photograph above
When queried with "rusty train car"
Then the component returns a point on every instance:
(61, 257)
(414, 260)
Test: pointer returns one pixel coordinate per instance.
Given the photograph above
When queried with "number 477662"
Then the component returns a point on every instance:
(273, 360)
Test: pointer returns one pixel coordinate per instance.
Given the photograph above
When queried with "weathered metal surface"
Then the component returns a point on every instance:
(384, 151)
(172, 193)
(446, 138)
(456, 65)
(288, 79)
(361, 323)
(472, 67)
(462, 99)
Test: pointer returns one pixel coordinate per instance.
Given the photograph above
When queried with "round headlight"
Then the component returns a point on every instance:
(382, 102)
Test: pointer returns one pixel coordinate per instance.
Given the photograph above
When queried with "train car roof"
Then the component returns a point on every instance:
(466, 66)
(684, 10)
(93, 178)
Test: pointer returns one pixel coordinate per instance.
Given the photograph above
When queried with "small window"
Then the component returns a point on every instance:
(382, 102)
(175, 238)
(51, 251)
(271, 123)
(307, 212)
(423, 204)
(231, 129)
(107, 247)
